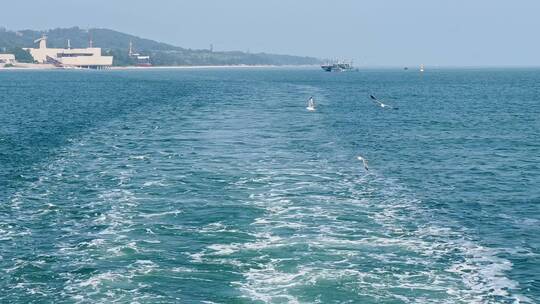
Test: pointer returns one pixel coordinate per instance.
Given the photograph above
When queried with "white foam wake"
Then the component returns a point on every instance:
(365, 237)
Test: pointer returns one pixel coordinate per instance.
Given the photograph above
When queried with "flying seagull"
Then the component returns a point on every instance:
(364, 161)
(380, 103)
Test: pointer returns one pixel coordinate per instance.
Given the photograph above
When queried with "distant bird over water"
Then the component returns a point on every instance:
(364, 161)
(380, 103)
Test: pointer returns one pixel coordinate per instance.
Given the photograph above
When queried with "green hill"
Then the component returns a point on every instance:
(117, 44)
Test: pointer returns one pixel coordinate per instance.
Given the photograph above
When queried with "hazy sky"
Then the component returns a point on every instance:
(376, 32)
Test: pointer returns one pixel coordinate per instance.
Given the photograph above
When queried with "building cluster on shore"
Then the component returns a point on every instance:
(80, 58)
(70, 57)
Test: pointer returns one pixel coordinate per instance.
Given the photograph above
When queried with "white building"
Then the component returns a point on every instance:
(7, 59)
(140, 60)
(79, 58)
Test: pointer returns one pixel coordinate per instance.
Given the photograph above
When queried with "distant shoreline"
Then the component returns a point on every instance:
(49, 67)
(31, 66)
(182, 67)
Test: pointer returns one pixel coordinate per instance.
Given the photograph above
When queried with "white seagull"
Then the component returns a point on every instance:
(380, 103)
(364, 161)
(311, 104)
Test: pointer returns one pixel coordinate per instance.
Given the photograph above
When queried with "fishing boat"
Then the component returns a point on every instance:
(338, 66)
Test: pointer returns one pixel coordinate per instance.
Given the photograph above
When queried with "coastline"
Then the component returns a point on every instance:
(32, 66)
(184, 67)
(49, 67)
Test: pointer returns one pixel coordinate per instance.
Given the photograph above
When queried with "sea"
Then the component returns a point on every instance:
(218, 186)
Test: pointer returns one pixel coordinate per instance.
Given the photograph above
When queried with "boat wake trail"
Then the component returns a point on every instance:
(333, 236)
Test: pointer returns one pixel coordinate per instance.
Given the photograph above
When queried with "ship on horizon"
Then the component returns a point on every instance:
(338, 66)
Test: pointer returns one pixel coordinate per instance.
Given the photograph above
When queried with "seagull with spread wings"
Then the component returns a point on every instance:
(380, 103)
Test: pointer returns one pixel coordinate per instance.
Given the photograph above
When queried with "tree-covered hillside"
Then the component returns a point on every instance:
(117, 44)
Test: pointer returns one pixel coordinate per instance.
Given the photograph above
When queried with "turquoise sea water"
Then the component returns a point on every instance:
(217, 186)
